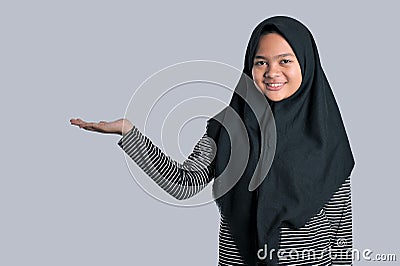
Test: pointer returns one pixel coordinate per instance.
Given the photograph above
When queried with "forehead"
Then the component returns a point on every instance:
(273, 44)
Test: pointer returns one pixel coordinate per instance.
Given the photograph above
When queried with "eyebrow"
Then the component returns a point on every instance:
(274, 57)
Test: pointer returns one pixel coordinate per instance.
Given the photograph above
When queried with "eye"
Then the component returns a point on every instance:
(285, 61)
(260, 63)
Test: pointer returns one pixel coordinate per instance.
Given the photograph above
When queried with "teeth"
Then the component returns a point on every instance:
(275, 84)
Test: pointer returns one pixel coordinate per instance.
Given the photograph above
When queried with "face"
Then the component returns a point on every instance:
(276, 71)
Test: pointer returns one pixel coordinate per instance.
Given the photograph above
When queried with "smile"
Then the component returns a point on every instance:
(275, 86)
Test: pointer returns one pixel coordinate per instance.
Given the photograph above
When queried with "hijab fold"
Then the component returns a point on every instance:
(301, 140)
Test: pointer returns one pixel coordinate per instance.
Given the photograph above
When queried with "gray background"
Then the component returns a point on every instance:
(67, 197)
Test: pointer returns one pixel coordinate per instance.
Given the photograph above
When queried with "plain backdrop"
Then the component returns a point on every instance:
(67, 196)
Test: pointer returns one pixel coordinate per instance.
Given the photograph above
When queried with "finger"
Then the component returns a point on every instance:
(81, 123)
(76, 121)
(87, 124)
(87, 127)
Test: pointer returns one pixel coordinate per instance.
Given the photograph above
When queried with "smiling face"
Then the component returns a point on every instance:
(276, 71)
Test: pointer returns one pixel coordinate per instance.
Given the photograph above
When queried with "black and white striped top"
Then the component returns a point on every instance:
(325, 239)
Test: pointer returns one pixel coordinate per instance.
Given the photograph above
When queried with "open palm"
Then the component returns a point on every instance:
(120, 126)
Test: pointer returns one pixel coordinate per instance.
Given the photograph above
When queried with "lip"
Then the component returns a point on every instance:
(275, 87)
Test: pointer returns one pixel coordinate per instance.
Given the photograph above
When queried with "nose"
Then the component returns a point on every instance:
(272, 71)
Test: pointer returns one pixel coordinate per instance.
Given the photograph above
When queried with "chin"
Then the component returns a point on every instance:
(274, 98)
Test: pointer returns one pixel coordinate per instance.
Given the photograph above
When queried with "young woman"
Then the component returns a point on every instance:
(300, 212)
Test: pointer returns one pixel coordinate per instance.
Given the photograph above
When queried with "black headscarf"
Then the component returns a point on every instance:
(312, 153)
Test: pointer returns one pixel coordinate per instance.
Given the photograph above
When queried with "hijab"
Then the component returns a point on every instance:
(311, 154)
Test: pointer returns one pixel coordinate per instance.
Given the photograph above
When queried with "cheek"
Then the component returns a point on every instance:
(296, 77)
(257, 75)
(256, 80)
(253, 73)
(299, 78)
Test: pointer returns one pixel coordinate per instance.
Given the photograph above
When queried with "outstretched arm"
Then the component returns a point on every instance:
(120, 126)
(180, 180)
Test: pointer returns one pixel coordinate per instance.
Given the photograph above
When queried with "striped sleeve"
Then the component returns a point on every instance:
(339, 213)
(180, 180)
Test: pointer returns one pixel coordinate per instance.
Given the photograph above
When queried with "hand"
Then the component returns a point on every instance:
(120, 126)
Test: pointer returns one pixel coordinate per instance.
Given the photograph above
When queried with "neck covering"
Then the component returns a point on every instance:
(312, 156)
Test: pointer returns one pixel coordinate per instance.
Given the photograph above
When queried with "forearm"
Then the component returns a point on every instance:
(181, 180)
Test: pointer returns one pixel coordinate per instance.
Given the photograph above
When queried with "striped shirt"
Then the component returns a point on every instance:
(326, 239)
